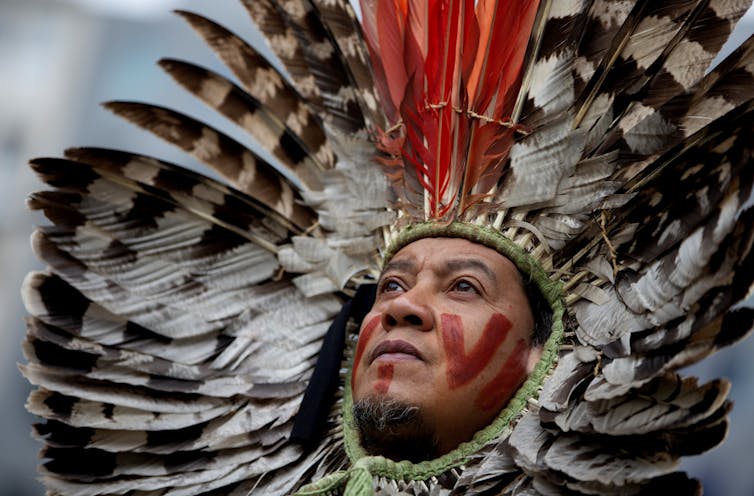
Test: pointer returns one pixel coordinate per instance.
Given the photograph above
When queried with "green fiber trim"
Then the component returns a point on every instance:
(325, 486)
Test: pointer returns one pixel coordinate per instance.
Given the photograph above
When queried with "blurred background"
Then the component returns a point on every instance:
(59, 59)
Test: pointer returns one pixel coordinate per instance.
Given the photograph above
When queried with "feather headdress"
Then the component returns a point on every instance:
(180, 319)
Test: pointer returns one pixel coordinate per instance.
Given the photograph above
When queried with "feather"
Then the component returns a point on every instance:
(317, 57)
(642, 36)
(647, 411)
(193, 192)
(250, 114)
(246, 171)
(548, 87)
(499, 20)
(538, 164)
(340, 21)
(573, 372)
(65, 312)
(282, 39)
(77, 412)
(385, 33)
(637, 370)
(265, 83)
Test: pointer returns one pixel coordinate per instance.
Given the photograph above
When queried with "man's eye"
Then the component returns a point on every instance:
(390, 285)
(464, 286)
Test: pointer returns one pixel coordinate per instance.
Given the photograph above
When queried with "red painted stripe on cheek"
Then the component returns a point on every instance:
(364, 336)
(463, 368)
(384, 377)
(508, 379)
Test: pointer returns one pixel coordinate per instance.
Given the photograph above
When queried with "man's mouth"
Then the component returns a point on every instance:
(395, 350)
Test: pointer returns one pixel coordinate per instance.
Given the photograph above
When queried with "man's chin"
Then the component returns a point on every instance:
(394, 428)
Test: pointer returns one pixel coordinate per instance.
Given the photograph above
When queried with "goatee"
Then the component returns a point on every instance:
(394, 429)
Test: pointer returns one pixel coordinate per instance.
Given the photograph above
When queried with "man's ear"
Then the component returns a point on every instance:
(535, 353)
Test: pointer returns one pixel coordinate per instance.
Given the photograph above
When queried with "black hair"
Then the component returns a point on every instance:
(540, 310)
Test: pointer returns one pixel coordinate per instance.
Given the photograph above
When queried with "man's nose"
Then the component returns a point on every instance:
(408, 310)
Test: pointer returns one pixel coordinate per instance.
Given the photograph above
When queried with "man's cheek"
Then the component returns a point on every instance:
(364, 337)
(512, 373)
(462, 367)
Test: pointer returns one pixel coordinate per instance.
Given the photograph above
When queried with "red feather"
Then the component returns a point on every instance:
(442, 88)
(504, 30)
(391, 22)
(505, 26)
(451, 74)
(369, 29)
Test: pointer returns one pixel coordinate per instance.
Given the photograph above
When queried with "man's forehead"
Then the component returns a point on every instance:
(450, 255)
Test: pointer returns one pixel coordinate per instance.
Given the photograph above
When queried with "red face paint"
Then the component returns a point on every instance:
(384, 377)
(507, 380)
(463, 368)
(364, 337)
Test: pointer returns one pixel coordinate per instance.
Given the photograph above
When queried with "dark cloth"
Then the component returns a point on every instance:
(320, 393)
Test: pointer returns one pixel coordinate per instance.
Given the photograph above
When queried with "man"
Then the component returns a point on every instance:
(447, 343)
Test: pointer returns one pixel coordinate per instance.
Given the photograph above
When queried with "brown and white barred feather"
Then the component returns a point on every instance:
(264, 84)
(179, 320)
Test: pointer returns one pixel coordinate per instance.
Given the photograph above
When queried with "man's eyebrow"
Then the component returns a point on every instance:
(399, 265)
(471, 263)
(450, 266)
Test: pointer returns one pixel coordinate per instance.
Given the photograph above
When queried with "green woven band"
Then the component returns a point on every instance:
(404, 470)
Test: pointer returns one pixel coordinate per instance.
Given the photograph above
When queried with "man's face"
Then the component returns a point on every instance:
(450, 332)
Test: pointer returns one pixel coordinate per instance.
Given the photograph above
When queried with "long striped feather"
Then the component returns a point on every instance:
(265, 83)
(249, 113)
(240, 165)
(318, 59)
